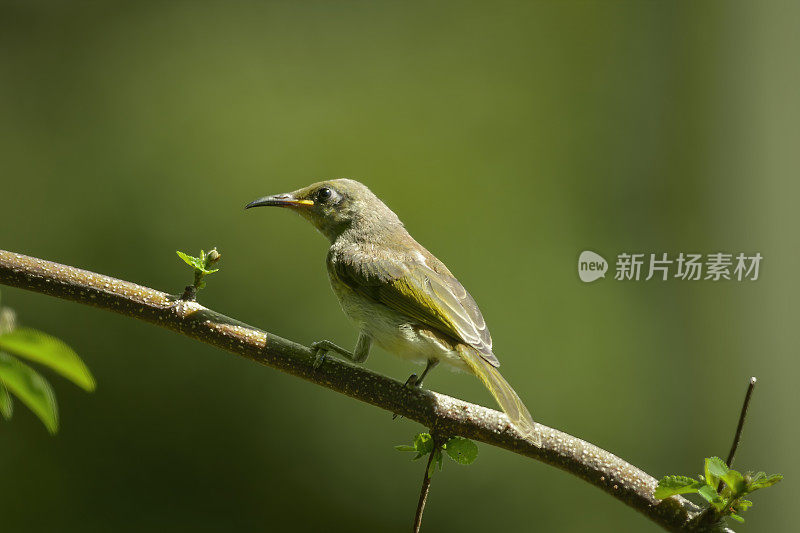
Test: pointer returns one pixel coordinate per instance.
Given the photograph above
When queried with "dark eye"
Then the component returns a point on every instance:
(324, 194)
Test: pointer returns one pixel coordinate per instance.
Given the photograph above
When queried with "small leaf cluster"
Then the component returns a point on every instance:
(28, 385)
(201, 265)
(728, 502)
(461, 450)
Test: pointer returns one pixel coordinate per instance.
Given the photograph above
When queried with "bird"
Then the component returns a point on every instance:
(396, 293)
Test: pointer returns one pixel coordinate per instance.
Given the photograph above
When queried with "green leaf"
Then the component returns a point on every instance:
(461, 450)
(6, 403)
(715, 469)
(742, 504)
(716, 466)
(735, 481)
(198, 263)
(192, 261)
(736, 517)
(672, 485)
(405, 448)
(42, 348)
(762, 481)
(31, 388)
(710, 494)
(423, 443)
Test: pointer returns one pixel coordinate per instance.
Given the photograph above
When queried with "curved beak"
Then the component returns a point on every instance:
(278, 200)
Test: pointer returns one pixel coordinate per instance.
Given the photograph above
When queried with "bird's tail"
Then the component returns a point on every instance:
(502, 392)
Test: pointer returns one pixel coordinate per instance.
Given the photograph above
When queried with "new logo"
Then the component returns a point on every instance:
(591, 266)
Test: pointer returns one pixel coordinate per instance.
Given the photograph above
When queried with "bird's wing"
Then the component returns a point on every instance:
(428, 294)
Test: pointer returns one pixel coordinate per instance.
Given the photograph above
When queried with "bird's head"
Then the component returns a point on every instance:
(334, 206)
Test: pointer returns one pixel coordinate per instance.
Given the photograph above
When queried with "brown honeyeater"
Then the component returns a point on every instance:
(396, 292)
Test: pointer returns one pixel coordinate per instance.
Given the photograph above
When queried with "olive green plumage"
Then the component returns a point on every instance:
(395, 291)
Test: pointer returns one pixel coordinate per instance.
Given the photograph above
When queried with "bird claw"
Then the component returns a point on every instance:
(320, 354)
(411, 382)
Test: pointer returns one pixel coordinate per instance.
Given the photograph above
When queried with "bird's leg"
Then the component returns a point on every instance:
(359, 355)
(428, 367)
(414, 381)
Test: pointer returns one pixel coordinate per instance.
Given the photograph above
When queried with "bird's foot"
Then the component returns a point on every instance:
(320, 353)
(321, 349)
(413, 382)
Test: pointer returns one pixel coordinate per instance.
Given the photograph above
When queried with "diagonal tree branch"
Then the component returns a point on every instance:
(448, 415)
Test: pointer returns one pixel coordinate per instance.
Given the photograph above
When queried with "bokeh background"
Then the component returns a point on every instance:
(508, 137)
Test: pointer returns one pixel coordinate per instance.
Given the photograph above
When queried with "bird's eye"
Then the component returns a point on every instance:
(324, 194)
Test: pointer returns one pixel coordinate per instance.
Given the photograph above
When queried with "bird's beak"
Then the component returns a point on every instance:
(279, 200)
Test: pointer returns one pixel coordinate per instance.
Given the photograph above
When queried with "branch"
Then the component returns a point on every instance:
(708, 515)
(742, 415)
(448, 415)
(426, 484)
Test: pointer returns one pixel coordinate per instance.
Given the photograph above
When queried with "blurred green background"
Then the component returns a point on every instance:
(508, 137)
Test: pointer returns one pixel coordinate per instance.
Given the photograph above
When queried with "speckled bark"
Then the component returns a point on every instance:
(447, 415)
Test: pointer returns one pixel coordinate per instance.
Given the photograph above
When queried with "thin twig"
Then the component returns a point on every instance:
(189, 294)
(737, 437)
(451, 416)
(709, 514)
(426, 486)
